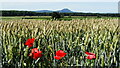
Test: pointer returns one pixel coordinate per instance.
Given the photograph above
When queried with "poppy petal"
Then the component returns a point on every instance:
(88, 53)
(30, 42)
(40, 52)
(57, 57)
(91, 57)
(63, 54)
(35, 50)
(60, 53)
(36, 55)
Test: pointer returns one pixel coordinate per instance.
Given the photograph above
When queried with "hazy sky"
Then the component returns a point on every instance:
(59, 0)
(100, 7)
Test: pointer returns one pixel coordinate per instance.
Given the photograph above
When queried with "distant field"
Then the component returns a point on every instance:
(66, 18)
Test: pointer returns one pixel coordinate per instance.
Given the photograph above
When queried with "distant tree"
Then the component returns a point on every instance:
(62, 15)
(69, 16)
(98, 16)
(56, 15)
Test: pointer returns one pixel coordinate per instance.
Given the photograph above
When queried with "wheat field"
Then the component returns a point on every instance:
(75, 37)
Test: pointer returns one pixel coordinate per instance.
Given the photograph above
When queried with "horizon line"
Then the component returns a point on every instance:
(53, 11)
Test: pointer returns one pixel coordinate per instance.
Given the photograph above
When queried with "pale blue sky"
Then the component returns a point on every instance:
(93, 7)
(59, 0)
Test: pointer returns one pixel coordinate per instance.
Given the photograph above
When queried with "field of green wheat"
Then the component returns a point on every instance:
(75, 37)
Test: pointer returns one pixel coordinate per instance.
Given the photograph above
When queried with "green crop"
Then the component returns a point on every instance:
(75, 37)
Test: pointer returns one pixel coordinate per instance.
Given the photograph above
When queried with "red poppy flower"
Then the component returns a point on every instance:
(30, 42)
(90, 55)
(59, 54)
(34, 50)
(35, 53)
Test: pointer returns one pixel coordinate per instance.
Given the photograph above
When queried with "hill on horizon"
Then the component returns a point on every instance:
(65, 10)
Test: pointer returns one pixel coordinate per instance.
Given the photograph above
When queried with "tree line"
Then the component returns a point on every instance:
(31, 13)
